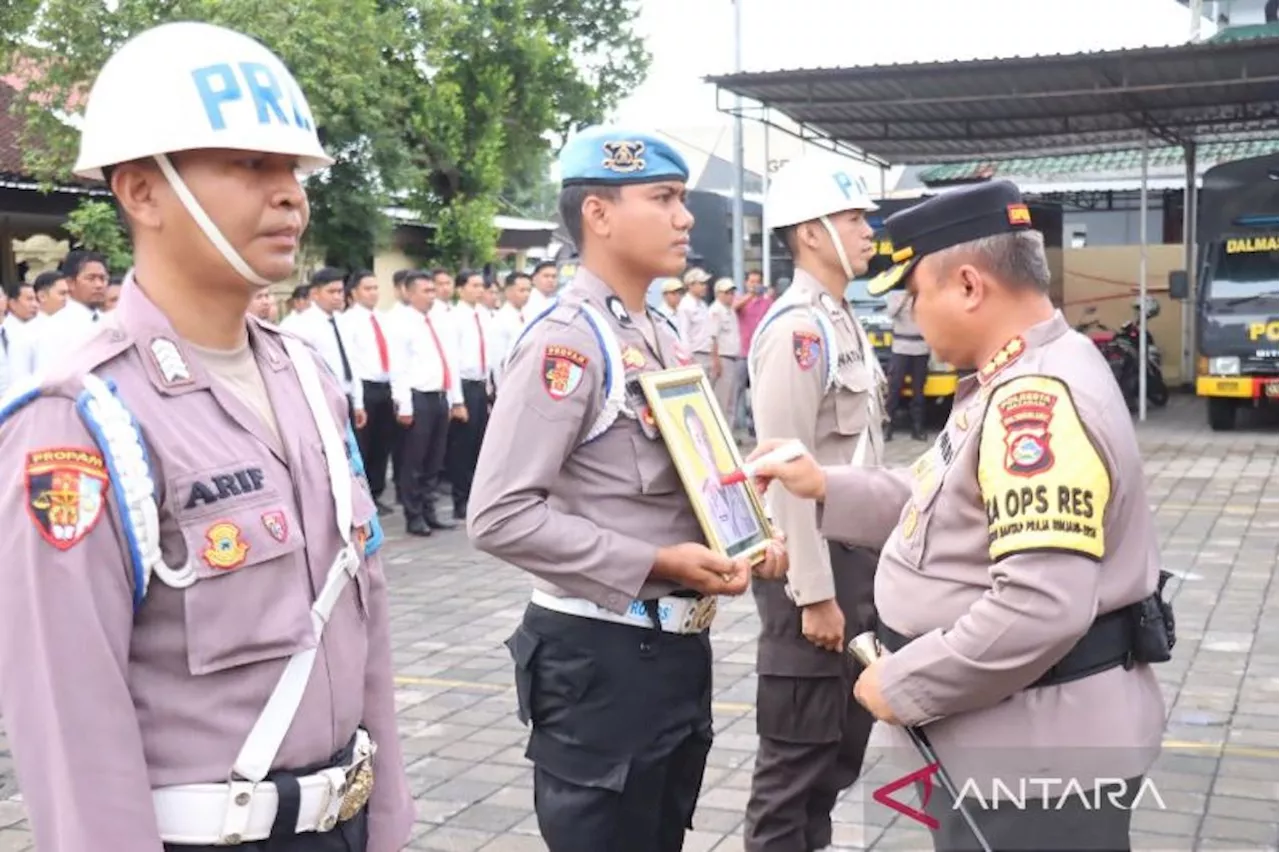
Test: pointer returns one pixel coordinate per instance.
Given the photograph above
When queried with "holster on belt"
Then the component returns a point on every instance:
(1142, 632)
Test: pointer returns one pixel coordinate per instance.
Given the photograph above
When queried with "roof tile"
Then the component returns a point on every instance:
(1124, 163)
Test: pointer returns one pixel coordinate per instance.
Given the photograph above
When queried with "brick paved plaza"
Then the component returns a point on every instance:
(1215, 497)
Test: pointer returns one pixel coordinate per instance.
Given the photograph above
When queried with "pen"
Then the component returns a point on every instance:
(787, 452)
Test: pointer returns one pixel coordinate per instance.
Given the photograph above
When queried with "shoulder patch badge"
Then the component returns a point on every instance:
(66, 493)
(226, 549)
(562, 370)
(1025, 416)
(807, 348)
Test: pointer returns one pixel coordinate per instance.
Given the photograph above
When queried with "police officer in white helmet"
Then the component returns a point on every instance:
(814, 377)
(195, 650)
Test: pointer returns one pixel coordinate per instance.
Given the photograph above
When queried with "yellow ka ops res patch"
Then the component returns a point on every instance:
(66, 493)
(1043, 481)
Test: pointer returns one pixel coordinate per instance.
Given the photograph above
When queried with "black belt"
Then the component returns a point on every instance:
(1107, 644)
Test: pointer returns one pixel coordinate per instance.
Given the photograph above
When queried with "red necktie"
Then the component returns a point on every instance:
(382, 344)
(484, 364)
(444, 362)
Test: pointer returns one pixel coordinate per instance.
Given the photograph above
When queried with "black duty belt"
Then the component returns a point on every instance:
(1106, 645)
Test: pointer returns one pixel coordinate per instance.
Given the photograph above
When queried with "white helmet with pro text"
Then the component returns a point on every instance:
(187, 86)
(812, 188)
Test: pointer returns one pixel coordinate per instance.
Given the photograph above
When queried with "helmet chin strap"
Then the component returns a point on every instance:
(839, 247)
(211, 230)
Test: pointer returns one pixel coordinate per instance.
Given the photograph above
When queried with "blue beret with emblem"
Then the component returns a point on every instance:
(605, 154)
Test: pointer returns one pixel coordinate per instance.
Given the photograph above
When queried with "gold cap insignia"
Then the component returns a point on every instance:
(625, 156)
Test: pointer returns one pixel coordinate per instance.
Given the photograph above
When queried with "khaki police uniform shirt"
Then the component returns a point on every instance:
(102, 704)
(728, 332)
(907, 339)
(789, 399)
(586, 519)
(693, 320)
(1026, 520)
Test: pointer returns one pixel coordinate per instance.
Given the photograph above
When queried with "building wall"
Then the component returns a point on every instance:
(1112, 227)
(1106, 278)
(384, 266)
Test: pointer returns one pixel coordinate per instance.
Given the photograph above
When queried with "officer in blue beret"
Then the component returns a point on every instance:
(575, 485)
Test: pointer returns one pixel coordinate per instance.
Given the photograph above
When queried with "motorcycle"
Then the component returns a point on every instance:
(1121, 350)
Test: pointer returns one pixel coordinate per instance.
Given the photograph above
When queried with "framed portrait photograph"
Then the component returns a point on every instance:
(693, 427)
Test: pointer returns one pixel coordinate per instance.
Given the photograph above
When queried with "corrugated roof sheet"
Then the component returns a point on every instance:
(1245, 32)
(934, 112)
(1098, 165)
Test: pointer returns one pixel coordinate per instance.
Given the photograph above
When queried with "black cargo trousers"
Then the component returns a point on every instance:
(620, 730)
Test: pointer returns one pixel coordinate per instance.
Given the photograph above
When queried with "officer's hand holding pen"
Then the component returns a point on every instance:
(801, 475)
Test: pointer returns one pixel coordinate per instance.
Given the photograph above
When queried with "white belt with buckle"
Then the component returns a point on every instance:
(194, 814)
(677, 615)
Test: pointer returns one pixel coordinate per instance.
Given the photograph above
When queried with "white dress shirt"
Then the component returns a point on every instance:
(507, 325)
(440, 309)
(366, 358)
(426, 354)
(475, 342)
(19, 353)
(537, 303)
(315, 327)
(291, 321)
(7, 347)
(63, 333)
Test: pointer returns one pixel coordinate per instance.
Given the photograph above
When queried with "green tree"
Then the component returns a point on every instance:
(496, 85)
(96, 226)
(334, 47)
(443, 106)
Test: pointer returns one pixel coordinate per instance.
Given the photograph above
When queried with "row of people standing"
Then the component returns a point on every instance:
(42, 320)
(421, 375)
(719, 333)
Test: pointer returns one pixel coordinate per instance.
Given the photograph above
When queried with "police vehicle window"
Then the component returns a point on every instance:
(1245, 267)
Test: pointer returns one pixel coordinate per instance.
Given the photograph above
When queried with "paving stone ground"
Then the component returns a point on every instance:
(1215, 497)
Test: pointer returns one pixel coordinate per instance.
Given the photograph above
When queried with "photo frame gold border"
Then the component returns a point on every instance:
(652, 384)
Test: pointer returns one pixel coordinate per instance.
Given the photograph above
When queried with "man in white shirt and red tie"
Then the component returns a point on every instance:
(509, 320)
(372, 361)
(318, 325)
(475, 344)
(444, 286)
(427, 391)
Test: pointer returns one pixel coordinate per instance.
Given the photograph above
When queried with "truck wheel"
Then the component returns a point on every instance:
(1222, 415)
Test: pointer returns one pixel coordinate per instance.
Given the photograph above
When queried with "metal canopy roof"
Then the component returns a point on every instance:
(1026, 106)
